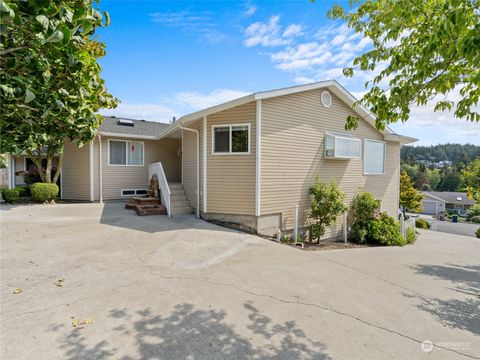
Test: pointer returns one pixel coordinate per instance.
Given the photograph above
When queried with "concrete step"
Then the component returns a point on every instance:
(178, 197)
(179, 203)
(175, 186)
(181, 211)
(177, 192)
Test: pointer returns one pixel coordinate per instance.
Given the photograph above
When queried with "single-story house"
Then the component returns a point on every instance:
(248, 161)
(436, 202)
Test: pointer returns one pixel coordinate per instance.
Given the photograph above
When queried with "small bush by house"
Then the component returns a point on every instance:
(11, 195)
(411, 235)
(422, 224)
(475, 219)
(384, 230)
(23, 190)
(477, 233)
(372, 226)
(42, 192)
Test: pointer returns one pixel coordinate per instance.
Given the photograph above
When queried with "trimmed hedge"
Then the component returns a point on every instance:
(43, 192)
(477, 233)
(11, 195)
(23, 190)
(411, 235)
(422, 224)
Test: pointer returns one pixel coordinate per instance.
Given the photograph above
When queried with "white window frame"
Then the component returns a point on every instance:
(384, 157)
(336, 135)
(230, 126)
(134, 190)
(126, 153)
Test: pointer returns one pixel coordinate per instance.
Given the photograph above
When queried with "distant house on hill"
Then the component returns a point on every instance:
(438, 201)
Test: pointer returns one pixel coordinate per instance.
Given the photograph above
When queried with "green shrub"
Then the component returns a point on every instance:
(422, 224)
(42, 192)
(11, 195)
(23, 190)
(475, 219)
(477, 233)
(365, 207)
(384, 230)
(31, 177)
(411, 235)
(327, 204)
(473, 212)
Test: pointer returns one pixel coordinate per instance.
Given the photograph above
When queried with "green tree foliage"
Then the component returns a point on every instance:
(410, 198)
(50, 84)
(470, 178)
(450, 181)
(327, 204)
(441, 152)
(421, 49)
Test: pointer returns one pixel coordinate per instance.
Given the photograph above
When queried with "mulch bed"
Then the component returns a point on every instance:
(329, 245)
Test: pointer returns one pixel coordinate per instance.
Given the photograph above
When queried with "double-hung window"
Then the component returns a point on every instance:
(231, 139)
(125, 153)
(373, 157)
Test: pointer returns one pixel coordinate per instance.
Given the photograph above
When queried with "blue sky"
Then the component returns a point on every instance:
(169, 58)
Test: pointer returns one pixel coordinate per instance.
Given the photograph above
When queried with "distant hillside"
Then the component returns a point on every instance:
(446, 152)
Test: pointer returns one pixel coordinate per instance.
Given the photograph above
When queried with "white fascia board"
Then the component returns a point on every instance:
(128, 136)
(403, 140)
(293, 89)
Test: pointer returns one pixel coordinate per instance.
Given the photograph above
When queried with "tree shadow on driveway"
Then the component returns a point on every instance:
(461, 314)
(188, 332)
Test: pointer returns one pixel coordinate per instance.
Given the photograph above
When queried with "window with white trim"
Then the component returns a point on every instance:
(373, 157)
(231, 139)
(342, 146)
(126, 153)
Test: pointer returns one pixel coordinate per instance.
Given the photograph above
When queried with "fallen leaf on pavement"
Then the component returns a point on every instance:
(80, 324)
(59, 282)
(17, 291)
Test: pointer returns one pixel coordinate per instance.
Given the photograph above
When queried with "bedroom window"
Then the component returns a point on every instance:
(373, 157)
(125, 153)
(231, 139)
(342, 146)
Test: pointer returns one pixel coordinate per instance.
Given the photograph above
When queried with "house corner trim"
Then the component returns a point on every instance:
(258, 158)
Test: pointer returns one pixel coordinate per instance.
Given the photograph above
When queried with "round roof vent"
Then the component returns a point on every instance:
(326, 99)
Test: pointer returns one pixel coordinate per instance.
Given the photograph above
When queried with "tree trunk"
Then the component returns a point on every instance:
(37, 160)
(48, 170)
(59, 168)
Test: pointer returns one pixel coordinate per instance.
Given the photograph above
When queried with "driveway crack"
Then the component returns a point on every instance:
(318, 306)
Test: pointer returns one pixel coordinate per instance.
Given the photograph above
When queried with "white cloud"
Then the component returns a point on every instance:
(145, 111)
(250, 10)
(270, 34)
(195, 100)
(201, 24)
(178, 105)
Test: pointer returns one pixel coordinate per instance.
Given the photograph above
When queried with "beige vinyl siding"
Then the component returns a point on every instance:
(189, 161)
(75, 172)
(293, 131)
(231, 178)
(116, 178)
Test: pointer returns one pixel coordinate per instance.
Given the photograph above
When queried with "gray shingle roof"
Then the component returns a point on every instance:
(451, 197)
(139, 128)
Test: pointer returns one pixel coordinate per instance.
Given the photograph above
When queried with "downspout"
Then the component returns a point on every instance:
(11, 172)
(100, 169)
(90, 153)
(198, 166)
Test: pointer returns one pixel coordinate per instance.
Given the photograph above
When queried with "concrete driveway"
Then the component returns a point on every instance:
(154, 288)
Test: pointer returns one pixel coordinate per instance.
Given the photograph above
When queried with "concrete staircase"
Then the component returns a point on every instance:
(179, 204)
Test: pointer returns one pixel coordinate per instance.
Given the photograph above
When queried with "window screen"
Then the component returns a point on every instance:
(347, 147)
(222, 139)
(240, 138)
(374, 157)
(118, 155)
